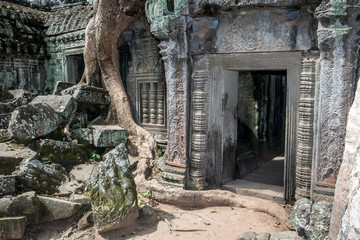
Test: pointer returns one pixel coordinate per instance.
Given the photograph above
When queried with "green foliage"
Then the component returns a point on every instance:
(95, 155)
(147, 193)
(160, 152)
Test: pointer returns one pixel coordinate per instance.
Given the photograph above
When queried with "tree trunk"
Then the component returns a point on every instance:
(111, 19)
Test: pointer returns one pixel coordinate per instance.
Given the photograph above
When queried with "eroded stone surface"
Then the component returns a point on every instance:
(319, 225)
(83, 135)
(12, 227)
(64, 105)
(64, 153)
(32, 121)
(60, 86)
(4, 120)
(87, 94)
(108, 136)
(113, 192)
(11, 155)
(39, 176)
(82, 172)
(7, 185)
(300, 216)
(55, 209)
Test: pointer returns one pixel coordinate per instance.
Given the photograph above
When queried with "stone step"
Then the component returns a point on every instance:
(256, 189)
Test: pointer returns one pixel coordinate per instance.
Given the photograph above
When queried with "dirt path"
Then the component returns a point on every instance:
(211, 223)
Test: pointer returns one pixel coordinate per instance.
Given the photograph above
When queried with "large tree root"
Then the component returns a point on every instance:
(211, 198)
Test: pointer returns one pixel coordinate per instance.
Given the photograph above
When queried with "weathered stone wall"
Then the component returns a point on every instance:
(22, 48)
(346, 209)
(339, 52)
(65, 37)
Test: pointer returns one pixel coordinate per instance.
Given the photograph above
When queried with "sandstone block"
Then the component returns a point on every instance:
(113, 178)
(32, 121)
(83, 135)
(7, 185)
(60, 86)
(56, 209)
(64, 153)
(108, 136)
(12, 227)
(64, 105)
(11, 155)
(39, 176)
(88, 94)
(300, 216)
(82, 199)
(4, 120)
(289, 235)
(82, 172)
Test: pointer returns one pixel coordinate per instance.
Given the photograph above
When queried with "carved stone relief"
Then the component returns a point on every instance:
(305, 137)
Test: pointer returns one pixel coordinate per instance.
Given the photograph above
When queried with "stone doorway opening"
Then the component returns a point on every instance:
(261, 122)
(75, 67)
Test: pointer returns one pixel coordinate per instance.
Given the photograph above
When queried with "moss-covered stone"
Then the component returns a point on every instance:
(113, 192)
(64, 153)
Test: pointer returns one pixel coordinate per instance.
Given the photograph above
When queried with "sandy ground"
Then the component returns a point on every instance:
(212, 223)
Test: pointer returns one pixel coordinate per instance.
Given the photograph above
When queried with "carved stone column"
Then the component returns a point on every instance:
(305, 137)
(338, 43)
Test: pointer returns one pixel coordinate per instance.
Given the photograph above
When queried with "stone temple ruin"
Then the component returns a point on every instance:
(237, 92)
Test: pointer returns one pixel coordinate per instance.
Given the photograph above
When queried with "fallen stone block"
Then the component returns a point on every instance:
(83, 135)
(79, 121)
(9, 106)
(319, 225)
(82, 199)
(69, 187)
(21, 93)
(60, 86)
(82, 172)
(64, 153)
(11, 155)
(247, 236)
(32, 121)
(7, 185)
(4, 120)
(26, 204)
(39, 176)
(12, 227)
(88, 94)
(64, 105)
(108, 136)
(147, 214)
(56, 209)
(113, 178)
(98, 121)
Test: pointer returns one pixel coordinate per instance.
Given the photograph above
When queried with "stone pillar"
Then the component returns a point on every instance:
(304, 155)
(338, 45)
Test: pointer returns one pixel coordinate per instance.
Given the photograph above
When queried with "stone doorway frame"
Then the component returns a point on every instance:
(211, 76)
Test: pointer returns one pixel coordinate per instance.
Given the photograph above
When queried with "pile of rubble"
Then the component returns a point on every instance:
(49, 152)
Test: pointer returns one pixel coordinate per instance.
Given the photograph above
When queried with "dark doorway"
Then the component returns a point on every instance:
(261, 120)
(75, 67)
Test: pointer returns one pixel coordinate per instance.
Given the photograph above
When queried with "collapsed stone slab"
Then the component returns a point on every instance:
(32, 121)
(64, 153)
(108, 135)
(12, 227)
(60, 86)
(39, 176)
(113, 192)
(26, 204)
(11, 155)
(56, 209)
(64, 105)
(88, 94)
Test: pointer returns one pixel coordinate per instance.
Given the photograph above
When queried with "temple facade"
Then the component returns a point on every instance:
(226, 86)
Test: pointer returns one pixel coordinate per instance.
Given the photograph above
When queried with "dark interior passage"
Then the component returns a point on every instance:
(75, 67)
(261, 125)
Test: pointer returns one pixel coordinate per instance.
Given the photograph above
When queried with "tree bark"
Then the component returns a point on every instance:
(102, 33)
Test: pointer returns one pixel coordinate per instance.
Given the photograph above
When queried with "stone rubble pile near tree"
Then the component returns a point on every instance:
(113, 192)
(311, 220)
